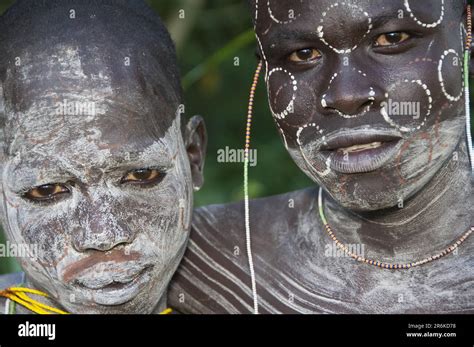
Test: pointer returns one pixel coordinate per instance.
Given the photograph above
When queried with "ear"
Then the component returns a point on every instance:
(196, 146)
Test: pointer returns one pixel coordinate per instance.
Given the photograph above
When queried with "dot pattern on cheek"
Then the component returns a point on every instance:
(279, 21)
(305, 105)
(390, 121)
(294, 83)
(425, 25)
(327, 169)
(320, 28)
(370, 97)
(441, 79)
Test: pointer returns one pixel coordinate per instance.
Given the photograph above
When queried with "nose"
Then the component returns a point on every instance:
(350, 93)
(99, 229)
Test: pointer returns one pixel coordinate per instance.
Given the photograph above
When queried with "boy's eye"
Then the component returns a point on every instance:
(305, 55)
(46, 192)
(391, 39)
(143, 177)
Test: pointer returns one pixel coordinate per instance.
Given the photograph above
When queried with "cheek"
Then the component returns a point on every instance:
(162, 215)
(408, 105)
(293, 104)
(44, 234)
(450, 77)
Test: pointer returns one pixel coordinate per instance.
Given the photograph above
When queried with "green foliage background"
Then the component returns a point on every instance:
(209, 38)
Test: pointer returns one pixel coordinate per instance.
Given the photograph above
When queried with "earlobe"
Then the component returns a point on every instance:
(196, 146)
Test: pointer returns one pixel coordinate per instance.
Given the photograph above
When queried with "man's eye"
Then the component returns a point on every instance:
(143, 177)
(46, 192)
(391, 39)
(305, 55)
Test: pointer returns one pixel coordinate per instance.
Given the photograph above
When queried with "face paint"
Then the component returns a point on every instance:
(116, 176)
(369, 100)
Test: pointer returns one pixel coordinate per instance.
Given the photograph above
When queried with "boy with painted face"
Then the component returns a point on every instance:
(368, 99)
(97, 167)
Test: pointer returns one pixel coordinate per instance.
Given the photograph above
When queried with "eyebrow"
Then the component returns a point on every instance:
(285, 35)
(54, 170)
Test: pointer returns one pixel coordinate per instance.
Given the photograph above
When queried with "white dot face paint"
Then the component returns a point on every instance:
(358, 84)
(443, 61)
(403, 114)
(352, 10)
(285, 15)
(370, 95)
(421, 23)
(317, 165)
(292, 84)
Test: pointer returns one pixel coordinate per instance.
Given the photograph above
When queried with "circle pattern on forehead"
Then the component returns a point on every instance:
(402, 128)
(290, 12)
(294, 86)
(324, 15)
(441, 79)
(370, 96)
(419, 22)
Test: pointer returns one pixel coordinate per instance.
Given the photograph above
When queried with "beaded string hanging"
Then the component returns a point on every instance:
(246, 186)
(467, 55)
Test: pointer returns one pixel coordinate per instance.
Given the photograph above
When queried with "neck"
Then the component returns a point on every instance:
(434, 218)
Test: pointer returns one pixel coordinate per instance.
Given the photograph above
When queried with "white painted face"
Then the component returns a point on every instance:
(97, 181)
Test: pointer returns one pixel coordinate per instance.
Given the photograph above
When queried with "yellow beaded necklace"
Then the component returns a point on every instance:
(18, 295)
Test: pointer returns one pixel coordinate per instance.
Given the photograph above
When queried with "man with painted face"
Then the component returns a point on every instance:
(368, 98)
(97, 167)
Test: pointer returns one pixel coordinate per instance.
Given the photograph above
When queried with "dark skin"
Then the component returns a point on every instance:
(400, 186)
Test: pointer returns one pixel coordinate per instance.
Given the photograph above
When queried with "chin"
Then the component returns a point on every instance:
(139, 305)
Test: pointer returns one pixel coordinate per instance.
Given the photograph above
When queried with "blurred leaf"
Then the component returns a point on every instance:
(226, 52)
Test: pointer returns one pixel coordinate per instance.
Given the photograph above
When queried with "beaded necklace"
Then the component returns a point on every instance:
(383, 265)
(18, 295)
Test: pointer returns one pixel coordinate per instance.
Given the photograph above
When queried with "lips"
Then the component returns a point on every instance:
(112, 287)
(360, 151)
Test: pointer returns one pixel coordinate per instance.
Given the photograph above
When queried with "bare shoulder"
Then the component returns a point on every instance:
(214, 274)
(267, 215)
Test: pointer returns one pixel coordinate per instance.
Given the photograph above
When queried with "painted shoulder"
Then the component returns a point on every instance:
(213, 276)
(278, 212)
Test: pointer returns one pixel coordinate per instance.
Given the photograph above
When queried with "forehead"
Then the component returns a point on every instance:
(63, 95)
(115, 129)
(342, 15)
